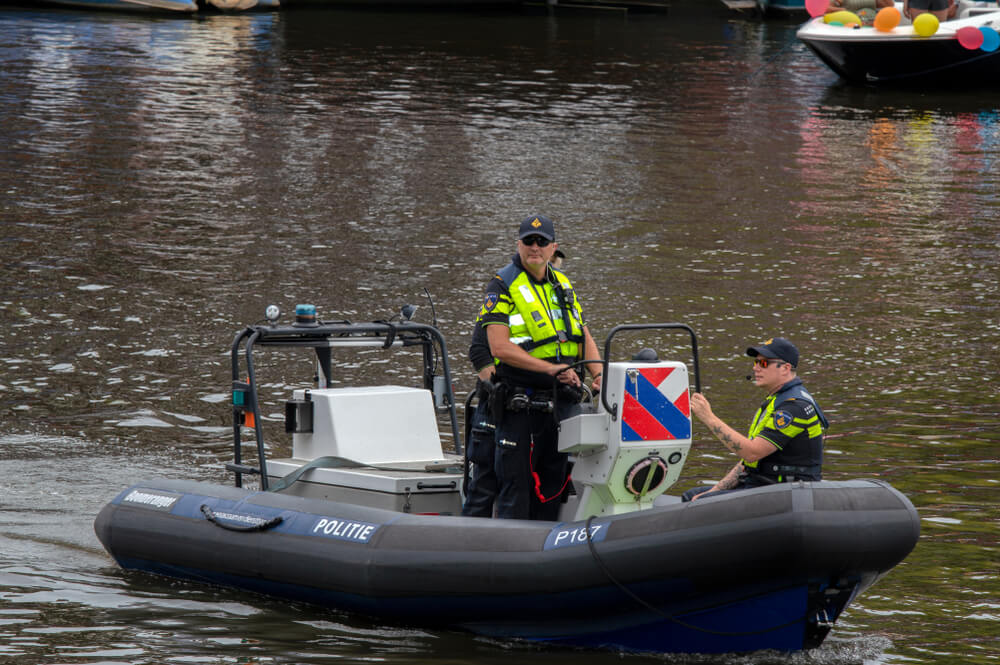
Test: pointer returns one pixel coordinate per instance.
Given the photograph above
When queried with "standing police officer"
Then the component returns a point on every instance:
(483, 484)
(535, 329)
(785, 441)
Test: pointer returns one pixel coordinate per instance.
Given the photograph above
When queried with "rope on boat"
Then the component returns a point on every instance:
(628, 592)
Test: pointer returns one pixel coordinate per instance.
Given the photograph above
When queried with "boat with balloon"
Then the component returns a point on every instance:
(884, 47)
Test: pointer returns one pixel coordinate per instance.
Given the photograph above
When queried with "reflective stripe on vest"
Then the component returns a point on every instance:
(538, 311)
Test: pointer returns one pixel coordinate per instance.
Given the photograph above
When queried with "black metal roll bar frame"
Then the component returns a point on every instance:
(323, 337)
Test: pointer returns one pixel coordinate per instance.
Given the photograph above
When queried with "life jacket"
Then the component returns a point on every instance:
(547, 322)
(802, 459)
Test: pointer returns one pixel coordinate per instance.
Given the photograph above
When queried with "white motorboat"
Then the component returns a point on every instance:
(961, 51)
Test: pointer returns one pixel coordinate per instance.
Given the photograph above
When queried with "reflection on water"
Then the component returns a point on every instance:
(163, 180)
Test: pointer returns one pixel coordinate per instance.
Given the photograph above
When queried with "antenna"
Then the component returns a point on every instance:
(434, 317)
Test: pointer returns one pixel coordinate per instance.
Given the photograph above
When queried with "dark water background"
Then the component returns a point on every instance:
(162, 180)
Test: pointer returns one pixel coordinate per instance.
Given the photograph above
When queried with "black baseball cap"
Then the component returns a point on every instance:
(776, 347)
(537, 225)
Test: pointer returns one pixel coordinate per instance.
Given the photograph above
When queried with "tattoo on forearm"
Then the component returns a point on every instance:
(726, 439)
(731, 479)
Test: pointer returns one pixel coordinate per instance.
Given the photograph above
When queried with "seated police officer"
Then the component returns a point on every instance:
(785, 441)
(536, 330)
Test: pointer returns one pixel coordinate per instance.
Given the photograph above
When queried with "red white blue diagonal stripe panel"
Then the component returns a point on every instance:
(656, 406)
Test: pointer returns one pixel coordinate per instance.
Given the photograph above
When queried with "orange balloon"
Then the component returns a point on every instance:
(887, 19)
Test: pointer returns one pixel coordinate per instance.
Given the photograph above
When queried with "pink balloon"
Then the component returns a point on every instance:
(970, 37)
(817, 7)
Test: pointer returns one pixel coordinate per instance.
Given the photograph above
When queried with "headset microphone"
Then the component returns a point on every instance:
(749, 377)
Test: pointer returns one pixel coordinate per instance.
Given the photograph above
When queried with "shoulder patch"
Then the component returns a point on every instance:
(490, 301)
(782, 419)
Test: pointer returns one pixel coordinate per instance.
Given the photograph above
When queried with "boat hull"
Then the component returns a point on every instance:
(783, 7)
(130, 5)
(402, 4)
(891, 63)
(760, 569)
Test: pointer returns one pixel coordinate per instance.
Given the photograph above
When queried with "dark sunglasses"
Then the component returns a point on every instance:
(767, 362)
(536, 240)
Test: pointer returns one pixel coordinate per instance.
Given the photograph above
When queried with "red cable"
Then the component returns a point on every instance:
(538, 480)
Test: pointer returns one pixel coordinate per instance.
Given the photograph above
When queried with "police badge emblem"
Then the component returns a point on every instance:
(490, 301)
(782, 419)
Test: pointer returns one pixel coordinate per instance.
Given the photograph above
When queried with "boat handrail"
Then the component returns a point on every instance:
(323, 337)
(613, 409)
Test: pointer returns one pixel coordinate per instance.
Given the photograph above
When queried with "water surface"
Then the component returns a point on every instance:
(162, 180)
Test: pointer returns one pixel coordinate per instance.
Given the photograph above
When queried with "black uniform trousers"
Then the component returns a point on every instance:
(531, 470)
(483, 481)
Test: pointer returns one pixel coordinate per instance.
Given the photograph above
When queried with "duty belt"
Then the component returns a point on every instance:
(536, 402)
(790, 470)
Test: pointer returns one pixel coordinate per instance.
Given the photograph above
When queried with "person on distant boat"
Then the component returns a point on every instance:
(535, 327)
(483, 482)
(857, 5)
(866, 10)
(942, 9)
(785, 441)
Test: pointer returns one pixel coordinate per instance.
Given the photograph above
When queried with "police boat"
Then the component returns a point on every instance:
(365, 515)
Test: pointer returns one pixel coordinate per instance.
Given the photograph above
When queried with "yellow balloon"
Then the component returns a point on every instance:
(843, 17)
(926, 25)
(887, 19)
